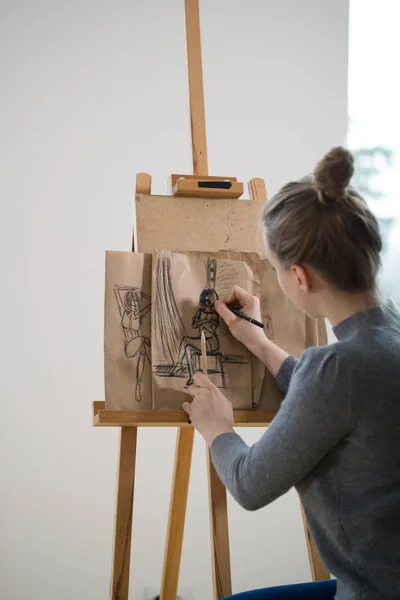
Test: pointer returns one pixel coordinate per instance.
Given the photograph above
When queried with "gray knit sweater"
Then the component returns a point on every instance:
(336, 439)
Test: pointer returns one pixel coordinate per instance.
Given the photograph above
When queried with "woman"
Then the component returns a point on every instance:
(336, 437)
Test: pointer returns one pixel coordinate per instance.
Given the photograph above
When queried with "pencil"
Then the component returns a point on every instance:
(203, 353)
(203, 356)
(242, 315)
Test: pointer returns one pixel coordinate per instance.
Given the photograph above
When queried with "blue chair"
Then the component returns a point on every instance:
(319, 590)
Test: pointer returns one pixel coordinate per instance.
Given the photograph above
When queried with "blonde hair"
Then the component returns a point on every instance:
(321, 222)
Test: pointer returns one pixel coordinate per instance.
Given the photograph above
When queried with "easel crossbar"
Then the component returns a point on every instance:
(169, 418)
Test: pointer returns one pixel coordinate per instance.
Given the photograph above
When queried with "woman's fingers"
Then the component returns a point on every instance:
(225, 313)
(248, 303)
(240, 296)
(193, 390)
(186, 407)
(237, 294)
(202, 381)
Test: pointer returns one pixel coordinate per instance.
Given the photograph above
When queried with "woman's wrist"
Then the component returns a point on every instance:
(269, 353)
(260, 346)
(214, 431)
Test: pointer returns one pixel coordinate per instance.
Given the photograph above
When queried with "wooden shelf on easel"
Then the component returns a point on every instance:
(191, 186)
(169, 418)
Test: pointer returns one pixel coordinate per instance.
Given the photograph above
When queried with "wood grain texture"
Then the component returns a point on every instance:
(318, 570)
(220, 554)
(258, 189)
(119, 589)
(98, 405)
(169, 418)
(143, 183)
(177, 513)
(172, 223)
(196, 88)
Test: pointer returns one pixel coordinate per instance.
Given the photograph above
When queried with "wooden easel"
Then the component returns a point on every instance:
(129, 421)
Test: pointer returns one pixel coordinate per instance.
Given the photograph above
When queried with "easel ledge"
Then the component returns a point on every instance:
(169, 418)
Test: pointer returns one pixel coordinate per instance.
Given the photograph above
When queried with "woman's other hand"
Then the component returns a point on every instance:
(210, 411)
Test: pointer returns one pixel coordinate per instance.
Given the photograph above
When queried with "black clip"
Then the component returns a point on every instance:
(224, 185)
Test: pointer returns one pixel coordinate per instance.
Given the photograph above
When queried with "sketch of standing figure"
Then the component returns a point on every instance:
(133, 305)
(206, 319)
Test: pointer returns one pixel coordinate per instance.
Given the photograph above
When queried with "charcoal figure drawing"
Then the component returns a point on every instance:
(133, 306)
(207, 319)
(183, 350)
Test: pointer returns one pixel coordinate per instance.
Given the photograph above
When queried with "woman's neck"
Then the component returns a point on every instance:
(338, 306)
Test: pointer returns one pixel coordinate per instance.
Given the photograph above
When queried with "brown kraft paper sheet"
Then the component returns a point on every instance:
(127, 336)
(184, 289)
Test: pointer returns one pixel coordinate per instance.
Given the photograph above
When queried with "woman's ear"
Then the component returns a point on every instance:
(303, 278)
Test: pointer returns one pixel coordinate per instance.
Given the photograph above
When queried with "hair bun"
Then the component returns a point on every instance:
(333, 173)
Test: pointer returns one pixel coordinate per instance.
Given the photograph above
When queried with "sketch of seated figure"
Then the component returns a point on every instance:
(133, 305)
(183, 311)
(206, 319)
(185, 290)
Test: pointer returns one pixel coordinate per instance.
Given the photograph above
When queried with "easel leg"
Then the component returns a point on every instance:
(220, 555)
(318, 570)
(177, 513)
(119, 589)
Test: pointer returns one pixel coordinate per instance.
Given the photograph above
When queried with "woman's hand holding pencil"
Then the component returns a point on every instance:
(239, 305)
(248, 333)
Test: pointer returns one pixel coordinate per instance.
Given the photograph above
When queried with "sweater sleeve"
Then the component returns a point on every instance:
(284, 375)
(314, 416)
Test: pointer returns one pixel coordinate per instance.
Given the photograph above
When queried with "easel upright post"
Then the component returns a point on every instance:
(217, 493)
(196, 88)
(185, 437)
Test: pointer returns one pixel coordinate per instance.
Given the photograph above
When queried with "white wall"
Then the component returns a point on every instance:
(92, 93)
